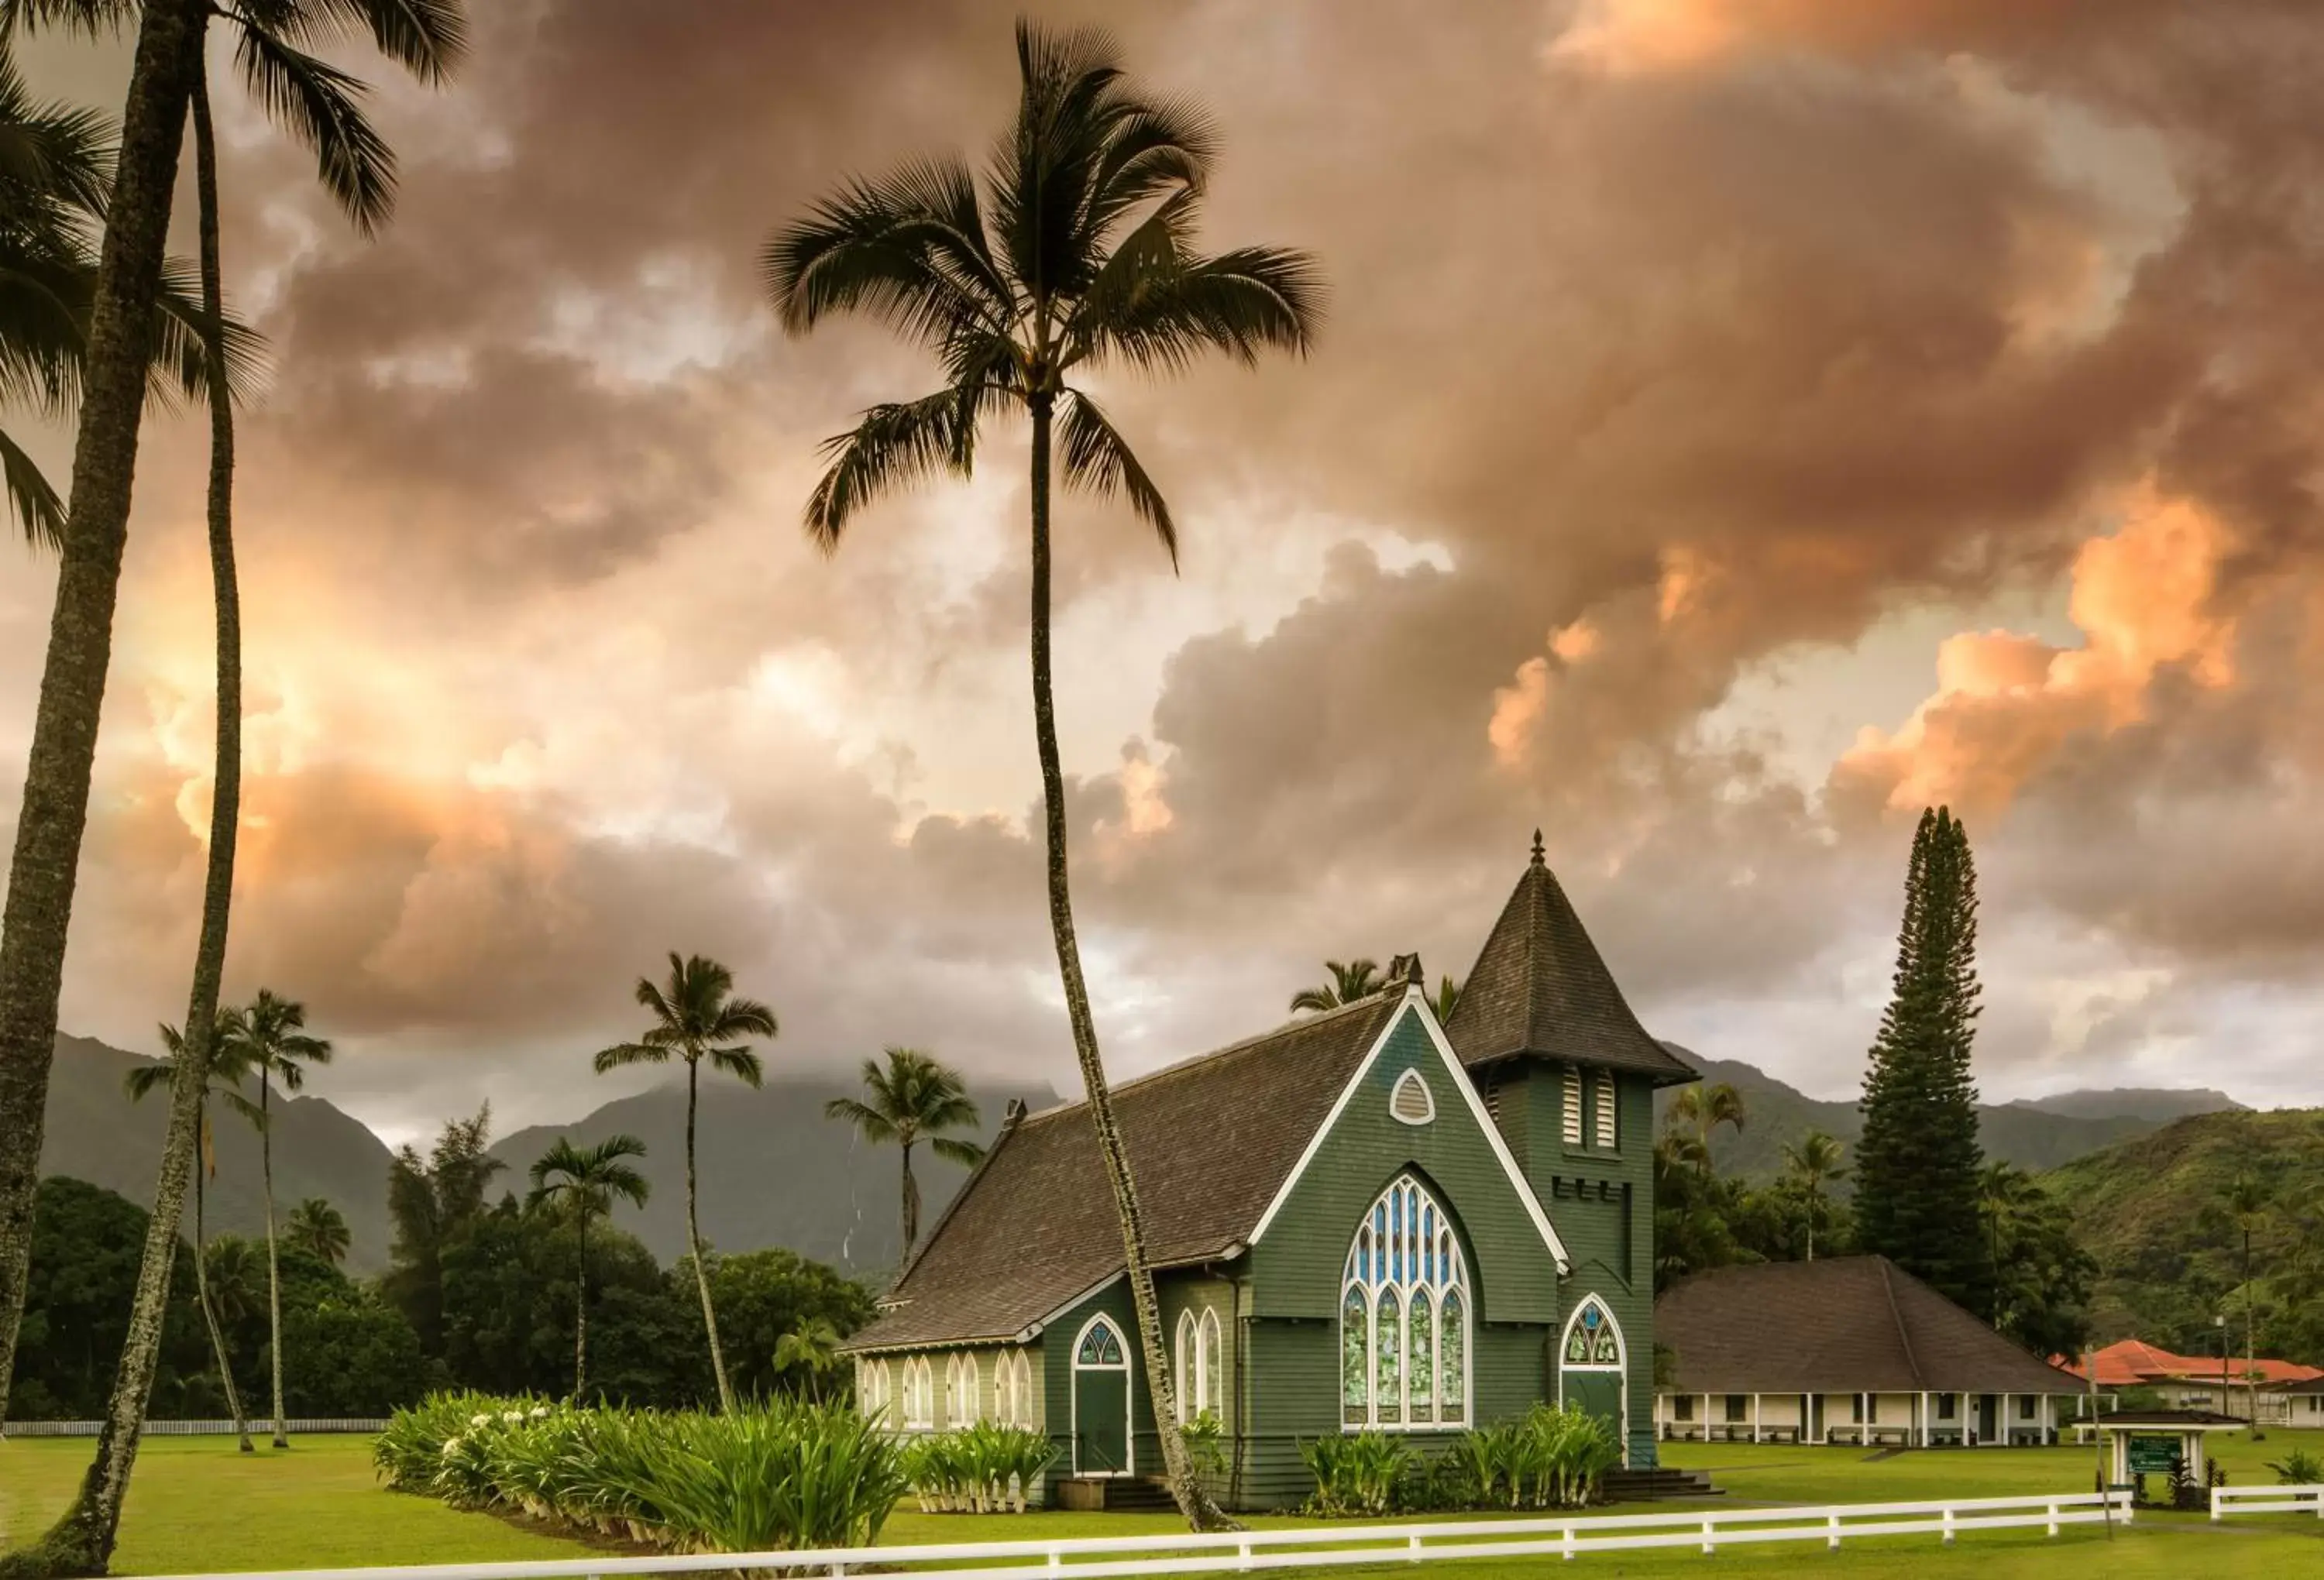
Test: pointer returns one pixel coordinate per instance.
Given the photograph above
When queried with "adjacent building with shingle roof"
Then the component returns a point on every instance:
(1849, 1349)
(1363, 1220)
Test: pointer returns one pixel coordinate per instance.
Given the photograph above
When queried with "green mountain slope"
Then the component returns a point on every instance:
(2032, 1135)
(96, 1134)
(2150, 1210)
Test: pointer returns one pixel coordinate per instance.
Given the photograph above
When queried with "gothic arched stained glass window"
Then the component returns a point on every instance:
(1404, 1330)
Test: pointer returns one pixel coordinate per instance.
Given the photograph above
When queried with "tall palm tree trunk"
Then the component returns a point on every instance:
(54, 809)
(911, 1202)
(202, 1289)
(1193, 1503)
(225, 771)
(273, 1258)
(581, 1306)
(693, 1248)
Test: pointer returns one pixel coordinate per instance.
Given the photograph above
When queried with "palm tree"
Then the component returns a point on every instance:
(1076, 254)
(697, 1016)
(1812, 1162)
(810, 1348)
(108, 328)
(586, 1180)
(319, 1229)
(1350, 980)
(2248, 1198)
(1448, 998)
(913, 1099)
(269, 1037)
(1706, 1108)
(220, 1079)
(2005, 1194)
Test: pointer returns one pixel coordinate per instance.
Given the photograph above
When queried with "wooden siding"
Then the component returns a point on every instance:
(1296, 1266)
(1603, 1203)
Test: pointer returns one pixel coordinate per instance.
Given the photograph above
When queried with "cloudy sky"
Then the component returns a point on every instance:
(1739, 423)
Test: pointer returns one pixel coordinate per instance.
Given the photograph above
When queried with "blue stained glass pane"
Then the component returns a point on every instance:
(1364, 1255)
(1589, 1318)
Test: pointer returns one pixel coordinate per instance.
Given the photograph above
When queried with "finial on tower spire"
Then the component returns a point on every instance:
(1536, 847)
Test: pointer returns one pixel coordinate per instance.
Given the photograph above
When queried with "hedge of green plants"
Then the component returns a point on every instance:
(774, 1475)
(983, 1469)
(1548, 1458)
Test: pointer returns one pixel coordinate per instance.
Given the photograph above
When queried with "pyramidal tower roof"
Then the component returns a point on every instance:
(1539, 988)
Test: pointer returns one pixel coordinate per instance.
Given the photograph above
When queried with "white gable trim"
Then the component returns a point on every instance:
(1415, 997)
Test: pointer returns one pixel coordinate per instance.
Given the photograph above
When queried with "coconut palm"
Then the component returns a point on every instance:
(268, 1037)
(585, 1179)
(1812, 1163)
(697, 1016)
(1350, 980)
(318, 1228)
(2248, 1199)
(811, 1350)
(1076, 254)
(913, 1099)
(1704, 1109)
(221, 1080)
(64, 336)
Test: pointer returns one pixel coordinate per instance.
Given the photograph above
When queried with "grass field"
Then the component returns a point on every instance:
(196, 1506)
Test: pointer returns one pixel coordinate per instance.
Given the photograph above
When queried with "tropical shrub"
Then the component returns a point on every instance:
(2299, 1468)
(980, 1469)
(1206, 1443)
(1551, 1457)
(773, 1475)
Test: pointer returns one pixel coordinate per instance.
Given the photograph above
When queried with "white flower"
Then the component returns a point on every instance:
(477, 1420)
(512, 1415)
(451, 1448)
(539, 1411)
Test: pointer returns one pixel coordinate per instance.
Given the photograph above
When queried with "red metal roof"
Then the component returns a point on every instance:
(2129, 1362)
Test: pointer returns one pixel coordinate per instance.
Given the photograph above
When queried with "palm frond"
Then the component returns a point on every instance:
(893, 447)
(427, 38)
(34, 503)
(1098, 460)
(966, 1153)
(743, 1018)
(868, 1122)
(1241, 303)
(626, 1053)
(742, 1064)
(181, 341)
(908, 249)
(320, 105)
(91, 18)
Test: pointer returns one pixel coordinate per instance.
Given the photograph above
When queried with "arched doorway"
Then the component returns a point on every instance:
(1101, 1399)
(1593, 1369)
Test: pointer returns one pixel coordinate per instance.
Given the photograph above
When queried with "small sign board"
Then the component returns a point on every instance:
(2154, 1455)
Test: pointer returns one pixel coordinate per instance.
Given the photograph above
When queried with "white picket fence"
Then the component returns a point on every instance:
(2297, 1500)
(306, 1427)
(1316, 1546)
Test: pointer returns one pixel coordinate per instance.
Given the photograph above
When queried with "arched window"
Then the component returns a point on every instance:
(963, 1382)
(1592, 1341)
(1404, 1316)
(1214, 1395)
(1198, 1366)
(919, 1393)
(1004, 1390)
(872, 1388)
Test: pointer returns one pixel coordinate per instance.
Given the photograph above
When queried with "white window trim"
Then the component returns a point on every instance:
(1213, 1358)
(1437, 1292)
(1607, 1095)
(1573, 1093)
(1417, 1002)
(919, 1393)
(1411, 1080)
(1186, 1356)
(1129, 1399)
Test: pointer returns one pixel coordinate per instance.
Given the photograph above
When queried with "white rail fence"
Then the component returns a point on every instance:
(2299, 1500)
(1318, 1547)
(309, 1427)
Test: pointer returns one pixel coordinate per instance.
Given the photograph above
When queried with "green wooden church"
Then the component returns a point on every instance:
(1363, 1220)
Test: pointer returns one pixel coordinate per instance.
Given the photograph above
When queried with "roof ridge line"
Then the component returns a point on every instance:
(1192, 1060)
(1888, 1288)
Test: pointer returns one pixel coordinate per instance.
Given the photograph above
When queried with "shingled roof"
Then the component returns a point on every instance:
(1845, 1324)
(1209, 1143)
(1539, 988)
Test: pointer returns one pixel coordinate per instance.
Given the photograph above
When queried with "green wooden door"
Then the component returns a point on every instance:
(1101, 1402)
(1600, 1394)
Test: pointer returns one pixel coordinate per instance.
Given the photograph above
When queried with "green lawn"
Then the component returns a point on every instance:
(198, 1505)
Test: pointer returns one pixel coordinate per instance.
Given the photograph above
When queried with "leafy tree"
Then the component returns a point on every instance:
(2040, 1274)
(221, 1075)
(351, 1354)
(1349, 981)
(86, 1245)
(697, 1016)
(1704, 1109)
(912, 1098)
(269, 1037)
(584, 1181)
(1813, 1165)
(1076, 254)
(319, 1229)
(764, 1295)
(429, 1200)
(1917, 1161)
